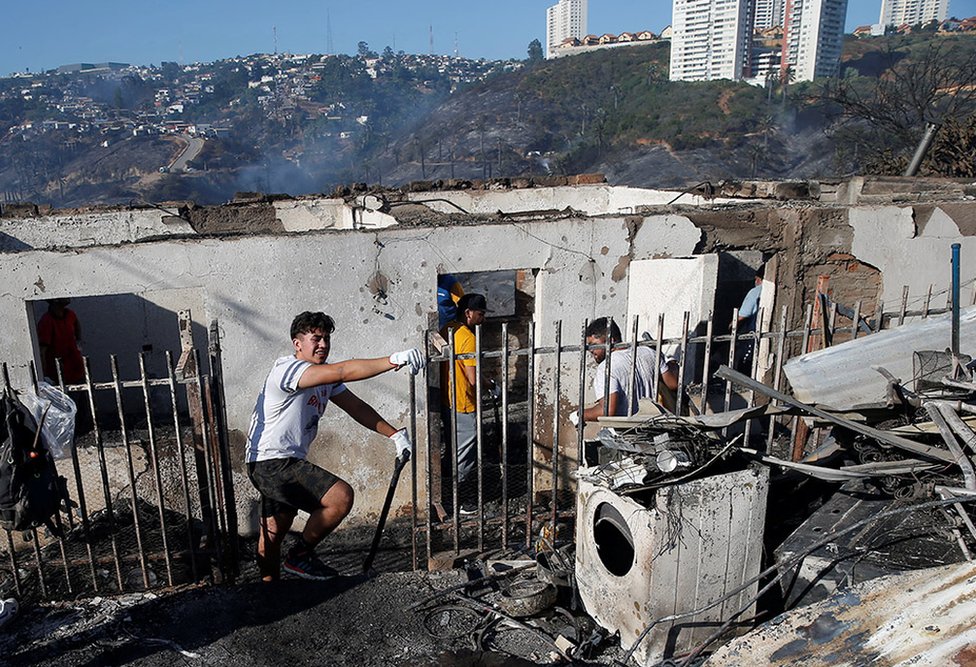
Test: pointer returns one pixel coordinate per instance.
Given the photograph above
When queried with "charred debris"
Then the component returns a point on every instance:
(691, 530)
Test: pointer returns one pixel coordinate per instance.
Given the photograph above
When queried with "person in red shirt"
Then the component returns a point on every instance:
(58, 333)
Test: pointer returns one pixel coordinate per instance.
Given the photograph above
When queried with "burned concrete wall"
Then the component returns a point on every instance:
(254, 284)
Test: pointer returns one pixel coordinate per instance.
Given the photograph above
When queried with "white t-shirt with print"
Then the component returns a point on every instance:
(285, 418)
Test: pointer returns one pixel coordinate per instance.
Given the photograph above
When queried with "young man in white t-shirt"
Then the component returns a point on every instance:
(620, 364)
(283, 425)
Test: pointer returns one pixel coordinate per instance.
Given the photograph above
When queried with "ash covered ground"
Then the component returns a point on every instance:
(352, 620)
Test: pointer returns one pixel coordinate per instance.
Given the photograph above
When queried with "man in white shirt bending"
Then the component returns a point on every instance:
(283, 425)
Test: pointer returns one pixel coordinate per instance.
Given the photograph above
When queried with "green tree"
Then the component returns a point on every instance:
(535, 51)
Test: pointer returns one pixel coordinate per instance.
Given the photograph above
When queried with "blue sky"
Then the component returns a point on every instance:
(44, 34)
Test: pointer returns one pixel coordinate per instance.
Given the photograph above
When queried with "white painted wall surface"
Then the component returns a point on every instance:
(886, 237)
(255, 285)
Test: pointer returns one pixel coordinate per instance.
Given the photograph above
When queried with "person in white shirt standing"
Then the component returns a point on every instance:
(620, 364)
(283, 425)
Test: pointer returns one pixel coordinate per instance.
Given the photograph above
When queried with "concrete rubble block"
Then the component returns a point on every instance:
(24, 210)
(692, 544)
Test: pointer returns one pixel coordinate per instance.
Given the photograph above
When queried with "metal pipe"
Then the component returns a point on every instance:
(504, 427)
(157, 476)
(582, 392)
(530, 435)
(452, 409)
(955, 298)
(14, 568)
(178, 434)
(57, 515)
(41, 579)
(939, 418)
(968, 437)
(682, 365)
(632, 379)
(222, 448)
(103, 470)
(658, 352)
(734, 333)
(429, 459)
(412, 391)
(706, 363)
(923, 147)
(82, 503)
(608, 341)
(555, 419)
(130, 470)
(209, 464)
(479, 436)
(754, 371)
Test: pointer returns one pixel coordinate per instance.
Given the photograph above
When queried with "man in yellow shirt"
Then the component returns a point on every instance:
(470, 313)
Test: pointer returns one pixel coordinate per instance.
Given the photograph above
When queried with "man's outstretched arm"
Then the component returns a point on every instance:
(359, 369)
(363, 413)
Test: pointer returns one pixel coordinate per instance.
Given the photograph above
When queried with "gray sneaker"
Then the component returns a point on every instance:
(308, 566)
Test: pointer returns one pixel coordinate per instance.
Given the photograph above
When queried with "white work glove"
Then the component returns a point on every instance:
(411, 357)
(401, 441)
(574, 417)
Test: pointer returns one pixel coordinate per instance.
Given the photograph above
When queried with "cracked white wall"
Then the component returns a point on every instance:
(889, 239)
(255, 285)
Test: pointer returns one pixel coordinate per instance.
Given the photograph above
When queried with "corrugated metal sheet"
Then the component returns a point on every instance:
(842, 376)
(922, 618)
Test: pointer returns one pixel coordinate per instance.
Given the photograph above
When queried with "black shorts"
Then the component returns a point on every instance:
(288, 485)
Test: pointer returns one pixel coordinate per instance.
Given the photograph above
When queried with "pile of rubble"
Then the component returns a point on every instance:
(688, 535)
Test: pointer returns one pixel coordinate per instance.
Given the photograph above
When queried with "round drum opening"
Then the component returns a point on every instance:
(614, 543)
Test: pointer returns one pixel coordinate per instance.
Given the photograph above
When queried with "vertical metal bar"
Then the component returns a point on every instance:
(658, 352)
(831, 326)
(680, 394)
(632, 380)
(582, 391)
(904, 305)
(413, 469)
(213, 454)
(453, 406)
(57, 515)
(129, 469)
(706, 364)
(879, 317)
(479, 436)
(555, 420)
(733, 338)
(178, 434)
(807, 327)
(79, 486)
(955, 298)
(222, 447)
(757, 338)
(103, 469)
(855, 327)
(608, 342)
(41, 579)
(14, 568)
(928, 301)
(157, 476)
(530, 436)
(429, 460)
(215, 547)
(777, 378)
(504, 427)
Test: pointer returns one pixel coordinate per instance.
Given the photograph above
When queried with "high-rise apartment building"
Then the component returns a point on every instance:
(769, 14)
(710, 39)
(564, 20)
(813, 33)
(898, 12)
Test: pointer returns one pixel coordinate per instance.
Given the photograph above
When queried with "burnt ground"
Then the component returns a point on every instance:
(353, 620)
